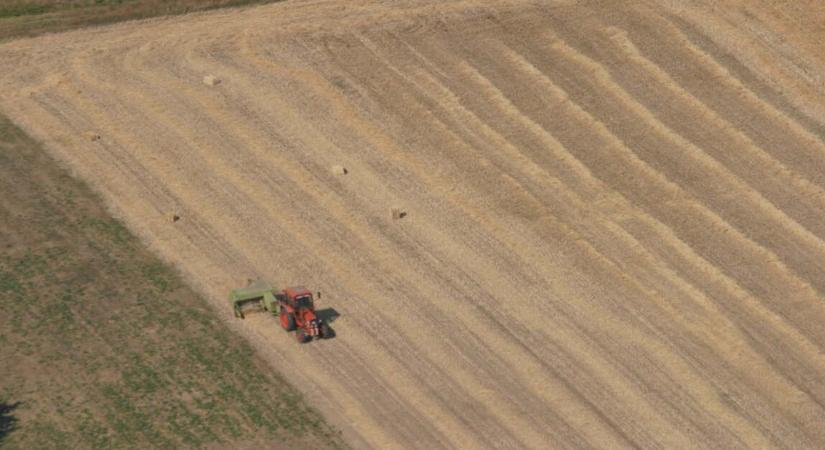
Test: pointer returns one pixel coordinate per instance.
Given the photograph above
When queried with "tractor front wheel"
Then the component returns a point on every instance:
(287, 320)
(301, 336)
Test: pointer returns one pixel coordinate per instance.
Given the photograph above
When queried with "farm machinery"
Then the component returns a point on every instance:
(294, 306)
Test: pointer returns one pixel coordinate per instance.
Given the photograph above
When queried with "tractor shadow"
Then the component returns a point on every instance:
(8, 422)
(328, 315)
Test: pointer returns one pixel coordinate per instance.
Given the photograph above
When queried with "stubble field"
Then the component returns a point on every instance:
(613, 234)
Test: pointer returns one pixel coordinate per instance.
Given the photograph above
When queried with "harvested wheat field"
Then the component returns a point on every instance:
(543, 224)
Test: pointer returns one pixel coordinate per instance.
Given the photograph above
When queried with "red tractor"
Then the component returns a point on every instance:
(297, 312)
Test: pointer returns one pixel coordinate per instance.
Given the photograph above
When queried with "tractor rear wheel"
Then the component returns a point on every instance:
(301, 336)
(326, 331)
(287, 320)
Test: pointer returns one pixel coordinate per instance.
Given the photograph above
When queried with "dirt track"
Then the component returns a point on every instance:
(614, 233)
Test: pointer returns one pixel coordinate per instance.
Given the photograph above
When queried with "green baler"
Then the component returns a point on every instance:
(256, 294)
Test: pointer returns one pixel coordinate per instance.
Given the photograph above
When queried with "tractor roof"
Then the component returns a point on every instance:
(297, 291)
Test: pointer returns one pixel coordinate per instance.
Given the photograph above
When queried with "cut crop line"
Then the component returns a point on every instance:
(429, 87)
(707, 265)
(727, 77)
(795, 388)
(677, 192)
(573, 105)
(501, 143)
(474, 122)
(603, 77)
(780, 169)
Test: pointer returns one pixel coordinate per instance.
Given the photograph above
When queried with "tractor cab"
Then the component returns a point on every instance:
(299, 298)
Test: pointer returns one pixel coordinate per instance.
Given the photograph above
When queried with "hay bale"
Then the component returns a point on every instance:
(398, 213)
(339, 170)
(174, 218)
(211, 80)
(92, 136)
